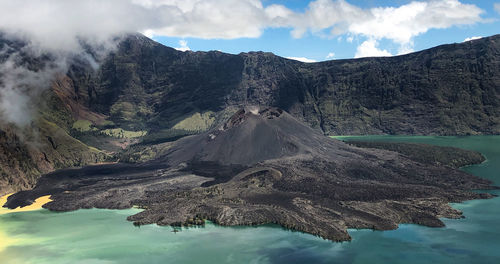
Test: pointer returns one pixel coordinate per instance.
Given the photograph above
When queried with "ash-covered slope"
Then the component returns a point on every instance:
(265, 166)
(146, 92)
(251, 136)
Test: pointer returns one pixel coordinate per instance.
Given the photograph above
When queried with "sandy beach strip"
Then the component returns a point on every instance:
(39, 202)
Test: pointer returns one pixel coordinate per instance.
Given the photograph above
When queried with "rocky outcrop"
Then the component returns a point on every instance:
(160, 94)
(439, 156)
(45, 143)
(25, 155)
(264, 166)
(448, 90)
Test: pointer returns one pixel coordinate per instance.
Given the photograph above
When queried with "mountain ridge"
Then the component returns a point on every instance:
(354, 96)
(147, 93)
(260, 52)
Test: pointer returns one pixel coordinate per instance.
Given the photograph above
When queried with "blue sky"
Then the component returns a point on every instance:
(319, 44)
(303, 30)
(315, 29)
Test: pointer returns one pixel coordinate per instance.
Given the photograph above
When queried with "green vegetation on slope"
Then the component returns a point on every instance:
(25, 155)
(447, 90)
(121, 133)
(83, 125)
(196, 122)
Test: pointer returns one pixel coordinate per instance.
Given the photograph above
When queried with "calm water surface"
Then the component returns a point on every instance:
(104, 236)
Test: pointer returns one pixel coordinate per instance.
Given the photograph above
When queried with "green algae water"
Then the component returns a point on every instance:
(104, 236)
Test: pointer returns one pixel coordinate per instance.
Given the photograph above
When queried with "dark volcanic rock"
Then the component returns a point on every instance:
(250, 137)
(448, 90)
(264, 166)
(145, 86)
(447, 156)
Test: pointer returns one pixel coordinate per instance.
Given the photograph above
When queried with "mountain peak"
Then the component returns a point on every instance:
(244, 113)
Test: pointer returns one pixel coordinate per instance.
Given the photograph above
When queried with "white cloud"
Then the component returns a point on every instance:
(183, 46)
(59, 26)
(302, 59)
(325, 14)
(248, 18)
(405, 22)
(405, 49)
(471, 38)
(20, 86)
(149, 33)
(224, 19)
(369, 49)
(398, 24)
(330, 55)
(496, 6)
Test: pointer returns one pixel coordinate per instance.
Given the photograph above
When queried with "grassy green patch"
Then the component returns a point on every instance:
(142, 153)
(83, 125)
(121, 133)
(196, 122)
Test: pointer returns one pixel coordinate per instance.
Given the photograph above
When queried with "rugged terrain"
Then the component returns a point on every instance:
(264, 166)
(144, 96)
(448, 90)
(46, 142)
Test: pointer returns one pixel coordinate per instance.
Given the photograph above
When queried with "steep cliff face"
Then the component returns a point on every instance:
(146, 92)
(451, 89)
(146, 85)
(448, 90)
(49, 147)
(43, 146)
(43, 143)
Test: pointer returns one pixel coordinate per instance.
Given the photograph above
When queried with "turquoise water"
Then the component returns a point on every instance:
(104, 236)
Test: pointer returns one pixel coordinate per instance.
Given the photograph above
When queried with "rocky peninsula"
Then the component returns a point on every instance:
(265, 166)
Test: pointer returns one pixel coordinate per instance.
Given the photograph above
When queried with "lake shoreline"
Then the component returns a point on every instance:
(376, 210)
(36, 205)
(465, 240)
